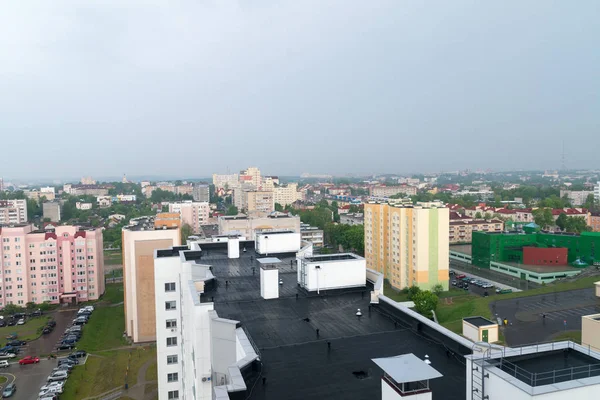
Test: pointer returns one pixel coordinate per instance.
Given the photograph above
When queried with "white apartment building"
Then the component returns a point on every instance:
(250, 226)
(193, 213)
(199, 355)
(201, 192)
(13, 212)
(251, 176)
(576, 197)
(225, 180)
(286, 195)
(83, 206)
(597, 192)
(261, 202)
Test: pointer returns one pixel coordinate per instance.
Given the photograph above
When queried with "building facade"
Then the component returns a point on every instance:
(201, 192)
(595, 221)
(193, 213)
(311, 234)
(249, 226)
(387, 191)
(576, 197)
(461, 231)
(13, 212)
(59, 265)
(222, 181)
(51, 210)
(597, 192)
(352, 219)
(140, 241)
(259, 202)
(251, 176)
(286, 195)
(408, 245)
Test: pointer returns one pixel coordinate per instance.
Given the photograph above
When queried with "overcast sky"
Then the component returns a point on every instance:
(188, 88)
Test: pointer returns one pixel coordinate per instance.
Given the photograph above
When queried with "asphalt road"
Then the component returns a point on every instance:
(563, 312)
(29, 378)
(47, 343)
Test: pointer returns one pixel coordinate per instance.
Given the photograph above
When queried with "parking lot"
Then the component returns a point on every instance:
(29, 378)
(47, 343)
(562, 311)
(483, 287)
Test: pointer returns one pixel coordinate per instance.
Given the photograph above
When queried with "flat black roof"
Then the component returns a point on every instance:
(332, 257)
(296, 362)
(479, 321)
(550, 367)
(275, 232)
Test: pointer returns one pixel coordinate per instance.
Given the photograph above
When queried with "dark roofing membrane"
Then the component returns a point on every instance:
(296, 360)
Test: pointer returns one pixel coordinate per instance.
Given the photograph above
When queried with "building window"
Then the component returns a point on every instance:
(171, 323)
(170, 287)
(174, 377)
(170, 305)
(172, 359)
(173, 394)
(171, 341)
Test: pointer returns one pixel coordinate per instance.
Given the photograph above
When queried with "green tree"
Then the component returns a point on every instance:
(278, 207)
(543, 217)
(576, 225)
(425, 303)
(478, 215)
(562, 221)
(413, 291)
(186, 231)
(30, 306)
(10, 309)
(590, 202)
(438, 289)
(232, 210)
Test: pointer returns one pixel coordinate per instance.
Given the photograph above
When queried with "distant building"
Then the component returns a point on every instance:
(68, 259)
(192, 213)
(286, 194)
(311, 234)
(577, 198)
(91, 190)
(104, 201)
(140, 242)
(13, 212)
(38, 195)
(387, 191)
(597, 193)
(461, 230)
(200, 192)
(51, 210)
(408, 245)
(352, 219)
(48, 189)
(83, 206)
(259, 202)
(87, 180)
(169, 220)
(595, 221)
(249, 226)
(225, 181)
(251, 176)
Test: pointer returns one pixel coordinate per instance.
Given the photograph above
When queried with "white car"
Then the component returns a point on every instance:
(58, 376)
(50, 391)
(59, 385)
(6, 356)
(21, 321)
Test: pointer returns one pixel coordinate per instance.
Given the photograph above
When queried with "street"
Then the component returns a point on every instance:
(486, 274)
(28, 378)
(47, 343)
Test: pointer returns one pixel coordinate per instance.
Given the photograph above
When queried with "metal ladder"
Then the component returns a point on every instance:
(478, 373)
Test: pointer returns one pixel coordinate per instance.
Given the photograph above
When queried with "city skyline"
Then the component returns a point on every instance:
(413, 89)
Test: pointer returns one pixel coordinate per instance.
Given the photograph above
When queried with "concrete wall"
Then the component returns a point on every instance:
(224, 344)
(277, 243)
(590, 331)
(470, 332)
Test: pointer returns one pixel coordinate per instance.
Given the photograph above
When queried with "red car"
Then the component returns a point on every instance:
(29, 360)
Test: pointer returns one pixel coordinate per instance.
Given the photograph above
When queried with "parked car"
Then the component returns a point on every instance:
(21, 321)
(7, 356)
(4, 364)
(465, 286)
(29, 360)
(58, 385)
(67, 361)
(52, 323)
(454, 283)
(77, 354)
(75, 328)
(18, 315)
(2, 323)
(10, 349)
(49, 396)
(49, 392)
(65, 367)
(66, 346)
(11, 322)
(58, 376)
(47, 330)
(460, 276)
(9, 390)
(16, 343)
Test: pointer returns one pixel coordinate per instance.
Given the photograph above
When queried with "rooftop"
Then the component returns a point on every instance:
(479, 321)
(292, 333)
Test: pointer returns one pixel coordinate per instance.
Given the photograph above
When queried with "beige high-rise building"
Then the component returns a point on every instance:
(286, 194)
(259, 202)
(409, 245)
(251, 176)
(140, 241)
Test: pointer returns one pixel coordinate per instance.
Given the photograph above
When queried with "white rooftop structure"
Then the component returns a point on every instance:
(407, 368)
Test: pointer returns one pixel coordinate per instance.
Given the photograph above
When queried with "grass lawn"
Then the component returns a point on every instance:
(574, 336)
(113, 257)
(105, 330)
(400, 296)
(451, 315)
(113, 294)
(3, 380)
(152, 373)
(31, 330)
(106, 370)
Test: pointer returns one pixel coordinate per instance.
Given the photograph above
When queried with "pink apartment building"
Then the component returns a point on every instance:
(63, 264)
